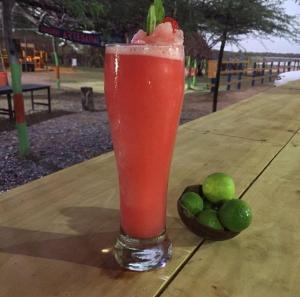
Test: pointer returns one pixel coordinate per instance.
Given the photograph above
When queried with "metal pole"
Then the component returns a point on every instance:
(271, 72)
(254, 74)
(239, 84)
(16, 78)
(229, 76)
(56, 63)
(263, 72)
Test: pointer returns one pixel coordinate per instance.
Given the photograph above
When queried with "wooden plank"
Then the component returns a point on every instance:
(246, 78)
(225, 72)
(56, 233)
(235, 62)
(264, 260)
(271, 116)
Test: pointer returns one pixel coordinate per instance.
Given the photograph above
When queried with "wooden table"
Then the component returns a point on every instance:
(56, 233)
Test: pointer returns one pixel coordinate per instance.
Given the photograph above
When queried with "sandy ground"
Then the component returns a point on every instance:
(69, 135)
(71, 78)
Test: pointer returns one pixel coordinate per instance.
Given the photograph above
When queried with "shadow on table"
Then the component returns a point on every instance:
(89, 247)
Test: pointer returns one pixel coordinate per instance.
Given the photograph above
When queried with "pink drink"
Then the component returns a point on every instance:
(144, 87)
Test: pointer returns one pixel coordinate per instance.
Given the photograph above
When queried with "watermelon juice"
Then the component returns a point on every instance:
(144, 87)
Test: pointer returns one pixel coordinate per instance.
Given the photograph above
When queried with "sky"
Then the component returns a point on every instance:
(276, 45)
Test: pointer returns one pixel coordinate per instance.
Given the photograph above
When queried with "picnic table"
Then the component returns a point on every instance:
(7, 90)
(57, 233)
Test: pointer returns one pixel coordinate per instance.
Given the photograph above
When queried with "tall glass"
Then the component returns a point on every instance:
(144, 86)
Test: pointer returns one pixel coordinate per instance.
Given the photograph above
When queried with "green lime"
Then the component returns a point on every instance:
(207, 204)
(187, 213)
(235, 215)
(218, 186)
(209, 218)
(192, 202)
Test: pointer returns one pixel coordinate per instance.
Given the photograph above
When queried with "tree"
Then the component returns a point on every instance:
(228, 20)
(105, 16)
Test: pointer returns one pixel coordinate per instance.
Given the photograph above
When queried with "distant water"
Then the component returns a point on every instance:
(287, 77)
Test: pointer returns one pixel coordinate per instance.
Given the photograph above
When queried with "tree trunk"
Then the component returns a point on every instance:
(175, 10)
(219, 67)
(87, 98)
(15, 69)
(2, 59)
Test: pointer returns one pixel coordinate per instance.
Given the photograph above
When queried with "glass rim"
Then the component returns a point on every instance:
(142, 45)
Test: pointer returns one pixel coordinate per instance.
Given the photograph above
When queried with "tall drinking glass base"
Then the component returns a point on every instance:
(142, 254)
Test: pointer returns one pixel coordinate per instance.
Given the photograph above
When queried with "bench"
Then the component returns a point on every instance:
(7, 90)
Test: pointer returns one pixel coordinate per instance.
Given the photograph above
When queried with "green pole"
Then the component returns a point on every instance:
(187, 67)
(19, 109)
(15, 69)
(194, 73)
(56, 61)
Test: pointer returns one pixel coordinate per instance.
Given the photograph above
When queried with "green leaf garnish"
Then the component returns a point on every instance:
(151, 19)
(159, 11)
(156, 14)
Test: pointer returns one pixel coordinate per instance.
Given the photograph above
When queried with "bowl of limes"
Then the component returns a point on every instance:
(211, 210)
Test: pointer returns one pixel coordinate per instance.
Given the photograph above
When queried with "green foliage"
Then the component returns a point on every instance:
(121, 16)
(107, 16)
(229, 20)
(156, 13)
(159, 11)
(85, 11)
(239, 17)
(235, 17)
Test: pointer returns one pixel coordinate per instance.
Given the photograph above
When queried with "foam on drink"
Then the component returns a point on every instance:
(164, 42)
